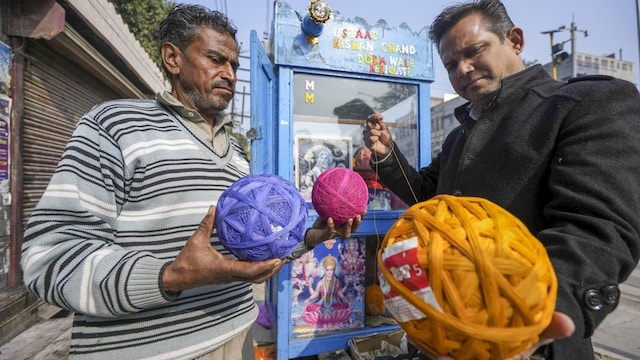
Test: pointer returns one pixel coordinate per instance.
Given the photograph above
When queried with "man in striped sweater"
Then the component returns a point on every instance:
(119, 236)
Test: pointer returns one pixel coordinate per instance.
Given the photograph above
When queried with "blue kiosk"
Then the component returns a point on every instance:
(313, 84)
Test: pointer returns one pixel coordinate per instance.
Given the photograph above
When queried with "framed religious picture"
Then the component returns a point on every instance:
(328, 288)
(314, 155)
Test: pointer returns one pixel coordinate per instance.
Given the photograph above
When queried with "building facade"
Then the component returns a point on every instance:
(443, 120)
(587, 64)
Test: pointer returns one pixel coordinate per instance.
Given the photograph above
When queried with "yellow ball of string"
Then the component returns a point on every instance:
(490, 286)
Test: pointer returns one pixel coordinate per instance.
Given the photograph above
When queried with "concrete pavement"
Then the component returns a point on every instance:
(619, 334)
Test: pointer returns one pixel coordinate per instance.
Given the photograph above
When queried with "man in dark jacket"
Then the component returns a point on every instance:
(562, 157)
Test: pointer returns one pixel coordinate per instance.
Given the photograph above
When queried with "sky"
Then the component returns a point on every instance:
(612, 25)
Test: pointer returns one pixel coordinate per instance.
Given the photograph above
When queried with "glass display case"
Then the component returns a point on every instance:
(311, 94)
(329, 114)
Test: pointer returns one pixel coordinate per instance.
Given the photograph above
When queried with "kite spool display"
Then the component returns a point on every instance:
(466, 279)
(261, 217)
(339, 193)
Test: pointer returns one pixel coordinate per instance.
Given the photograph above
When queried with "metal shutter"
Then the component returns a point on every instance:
(57, 92)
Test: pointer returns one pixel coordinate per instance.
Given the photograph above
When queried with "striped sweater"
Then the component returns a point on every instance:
(133, 184)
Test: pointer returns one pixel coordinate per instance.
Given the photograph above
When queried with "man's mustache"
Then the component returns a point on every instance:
(223, 84)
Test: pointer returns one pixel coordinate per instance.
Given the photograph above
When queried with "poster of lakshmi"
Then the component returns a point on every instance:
(328, 288)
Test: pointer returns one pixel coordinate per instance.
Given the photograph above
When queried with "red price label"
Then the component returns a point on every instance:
(401, 259)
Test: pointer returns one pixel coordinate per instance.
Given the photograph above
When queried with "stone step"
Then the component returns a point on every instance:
(18, 312)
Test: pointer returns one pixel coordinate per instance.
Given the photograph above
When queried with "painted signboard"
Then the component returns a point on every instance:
(352, 45)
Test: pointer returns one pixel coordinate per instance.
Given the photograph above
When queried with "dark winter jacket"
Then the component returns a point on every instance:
(565, 159)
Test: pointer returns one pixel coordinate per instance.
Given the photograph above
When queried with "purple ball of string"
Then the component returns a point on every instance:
(260, 217)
